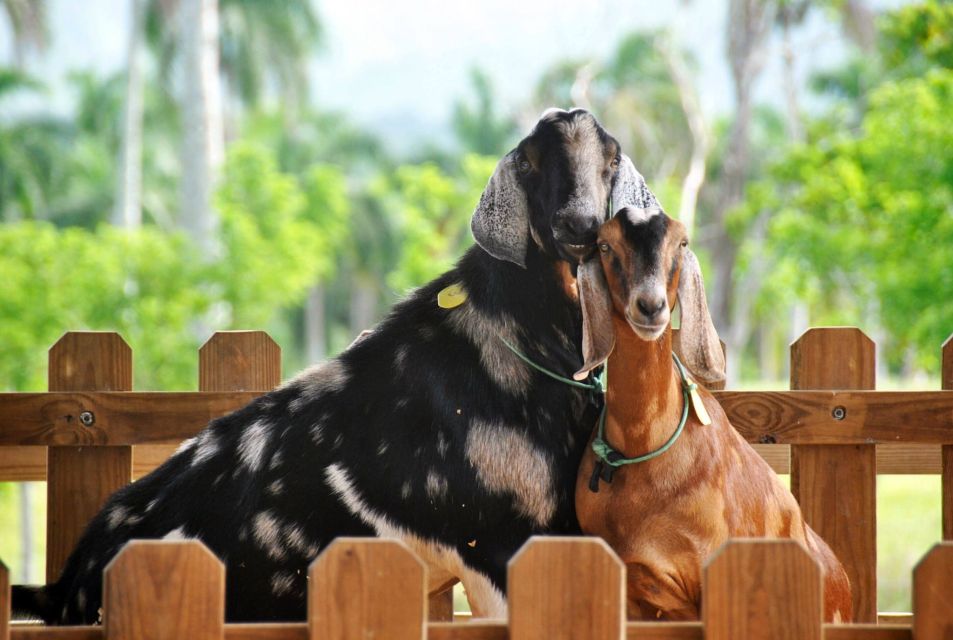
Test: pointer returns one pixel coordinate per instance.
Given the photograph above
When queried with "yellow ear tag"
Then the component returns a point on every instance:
(699, 406)
(452, 296)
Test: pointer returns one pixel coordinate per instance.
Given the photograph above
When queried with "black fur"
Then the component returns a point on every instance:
(398, 427)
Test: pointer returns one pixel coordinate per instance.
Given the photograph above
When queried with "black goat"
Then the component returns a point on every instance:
(429, 429)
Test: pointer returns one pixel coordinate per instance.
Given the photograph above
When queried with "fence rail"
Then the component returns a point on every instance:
(91, 434)
(558, 588)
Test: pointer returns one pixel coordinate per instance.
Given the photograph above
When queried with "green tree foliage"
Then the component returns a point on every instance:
(141, 284)
(280, 233)
(432, 209)
(866, 214)
(479, 128)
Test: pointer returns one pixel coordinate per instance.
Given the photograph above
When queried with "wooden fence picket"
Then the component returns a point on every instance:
(836, 485)
(79, 479)
(933, 595)
(946, 451)
(4, 602)
(570, 588)
(228, 361)
(367, 588)
(762, 590)
(155, 590)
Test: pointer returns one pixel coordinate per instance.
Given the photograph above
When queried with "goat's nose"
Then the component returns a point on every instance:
(650, 307)
(579, 229)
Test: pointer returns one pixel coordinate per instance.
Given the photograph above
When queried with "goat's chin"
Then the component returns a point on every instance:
(645, 331)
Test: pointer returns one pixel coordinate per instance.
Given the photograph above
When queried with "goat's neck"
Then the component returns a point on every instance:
(645, 392)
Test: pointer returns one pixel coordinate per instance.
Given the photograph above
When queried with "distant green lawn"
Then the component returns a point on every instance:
(908, 522)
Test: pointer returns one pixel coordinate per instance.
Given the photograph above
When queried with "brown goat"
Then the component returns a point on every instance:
(665, 516)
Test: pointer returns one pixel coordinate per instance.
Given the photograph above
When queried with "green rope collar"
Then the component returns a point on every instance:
(595, 386)
(609, 458)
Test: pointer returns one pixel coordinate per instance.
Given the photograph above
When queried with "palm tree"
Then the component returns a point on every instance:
(28, 23)
(243, 46)
(127, 212)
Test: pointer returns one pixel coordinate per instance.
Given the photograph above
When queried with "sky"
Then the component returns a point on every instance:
(398, 67)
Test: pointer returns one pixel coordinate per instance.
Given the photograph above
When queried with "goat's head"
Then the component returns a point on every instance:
(642, 267)
(555, 189)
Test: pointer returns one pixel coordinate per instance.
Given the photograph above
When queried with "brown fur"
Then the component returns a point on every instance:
(666, 516)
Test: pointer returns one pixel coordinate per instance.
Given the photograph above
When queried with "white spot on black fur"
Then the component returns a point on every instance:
(332, 376)
(267, 533)
(382, 448)
(281, 583)
(405, 489)
(485, 332)
(176, 534)
(116, 517)
(317, 430)
(400, 357)
(276, 488)
(206, 446)
(442, 444)
(507, 461)
(251, 446)
(436, 485)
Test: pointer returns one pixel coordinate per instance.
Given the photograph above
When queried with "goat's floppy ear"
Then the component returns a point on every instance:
(701, 348)
(598, 340)
(500, 224)
(629, 189)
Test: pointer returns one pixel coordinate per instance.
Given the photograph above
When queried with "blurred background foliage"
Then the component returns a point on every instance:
(165, 203)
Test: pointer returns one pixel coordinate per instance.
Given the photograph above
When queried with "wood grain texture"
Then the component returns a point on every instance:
(367, 588)
(476, 630)
(566, 588)
(946, 452)
(239, 361)
(145, 458)
(121, 418)
(28, 463)
(22, 464)
(782, 417)
(836, 485)
(4, 602)
(933, 595)
(664, 631)
(80, 479)
(155, 590)
(867, 632)
(870, 417)
(440, 606)
(473, 631)
(762, 590)
(56, 633)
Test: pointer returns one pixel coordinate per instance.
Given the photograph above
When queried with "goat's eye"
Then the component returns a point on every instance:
(684, 243)
(615, 163)
(525, 166)
(604, 247)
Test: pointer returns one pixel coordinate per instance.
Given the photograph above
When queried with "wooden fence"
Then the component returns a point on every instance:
(90, 434)
(571, 588)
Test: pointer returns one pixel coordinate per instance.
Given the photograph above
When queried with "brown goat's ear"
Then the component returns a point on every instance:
(598, 340)
(701, 349)
(500, 223)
